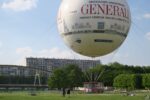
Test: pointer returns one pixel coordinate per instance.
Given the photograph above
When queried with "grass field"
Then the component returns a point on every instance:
(58, 96)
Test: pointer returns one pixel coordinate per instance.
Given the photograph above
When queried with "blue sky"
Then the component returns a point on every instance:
(28, 29)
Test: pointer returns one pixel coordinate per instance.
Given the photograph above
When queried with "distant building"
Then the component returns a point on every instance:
(14, 70)
(43, 66)
(49, 64)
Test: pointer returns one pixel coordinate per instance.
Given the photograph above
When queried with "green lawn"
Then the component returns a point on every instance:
(54, 96)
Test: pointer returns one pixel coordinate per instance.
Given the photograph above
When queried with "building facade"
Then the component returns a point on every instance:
(14, 70)
(49, 64)
(43, 66)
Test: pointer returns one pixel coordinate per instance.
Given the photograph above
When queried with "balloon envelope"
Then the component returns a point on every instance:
(94, 27)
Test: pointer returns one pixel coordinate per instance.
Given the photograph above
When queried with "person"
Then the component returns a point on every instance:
(64, 92)
(68, 92)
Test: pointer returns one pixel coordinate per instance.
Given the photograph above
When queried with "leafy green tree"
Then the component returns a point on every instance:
(58, 79)
(127, 81)
(94, 74)
(111, 71)
(146, 80)
(75, 75)
(67, 77)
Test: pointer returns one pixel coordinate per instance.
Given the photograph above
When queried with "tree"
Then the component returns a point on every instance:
(146, 80)
(127, 81)
(75, 75)
(67, 77)
(58, 79)
(94, 74)
(111, 71)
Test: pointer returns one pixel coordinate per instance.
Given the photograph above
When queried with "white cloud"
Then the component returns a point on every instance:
(22, 54)
(54, 52)
(24, 51)
(147, 16)
(108, 58)
(20, 61)
(19, 5)
(148, 35)
(115, 56)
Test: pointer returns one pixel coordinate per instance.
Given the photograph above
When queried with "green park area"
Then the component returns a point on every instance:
(73, 96)
(125, 82)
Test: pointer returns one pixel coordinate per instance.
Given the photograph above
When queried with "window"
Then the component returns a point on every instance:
(100, 25)
(102, 40)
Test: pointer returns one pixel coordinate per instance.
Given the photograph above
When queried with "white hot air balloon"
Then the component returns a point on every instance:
(94, 27)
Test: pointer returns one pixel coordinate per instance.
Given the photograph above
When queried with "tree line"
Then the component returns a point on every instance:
(132, 81)
(72, 76)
